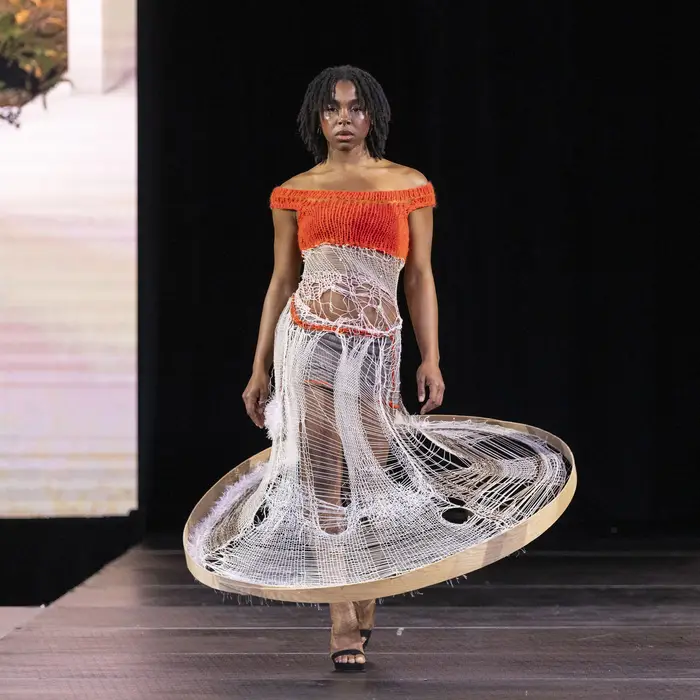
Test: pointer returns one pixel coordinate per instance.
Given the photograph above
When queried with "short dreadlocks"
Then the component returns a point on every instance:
(321, 91)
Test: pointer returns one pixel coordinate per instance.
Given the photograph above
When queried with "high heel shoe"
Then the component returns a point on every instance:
(346, 665)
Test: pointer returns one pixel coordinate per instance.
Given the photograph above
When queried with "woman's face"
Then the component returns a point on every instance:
(344, 122)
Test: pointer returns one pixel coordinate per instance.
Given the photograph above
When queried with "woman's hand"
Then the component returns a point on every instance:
(255, 396)
(429, 375)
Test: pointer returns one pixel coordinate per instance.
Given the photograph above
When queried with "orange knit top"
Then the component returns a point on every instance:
(376, 219)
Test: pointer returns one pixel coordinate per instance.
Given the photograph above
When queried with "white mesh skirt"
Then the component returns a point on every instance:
(356, 498)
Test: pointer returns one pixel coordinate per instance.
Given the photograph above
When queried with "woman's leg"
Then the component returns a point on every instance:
(325, 461)
(364, 611)
(326, 475)
(345, 632)
(327, 467)
(379, 444)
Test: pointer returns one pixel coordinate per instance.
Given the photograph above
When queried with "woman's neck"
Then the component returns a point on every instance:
(356, 157)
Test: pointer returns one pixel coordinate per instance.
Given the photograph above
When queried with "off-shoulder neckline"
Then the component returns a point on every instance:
(365, 193)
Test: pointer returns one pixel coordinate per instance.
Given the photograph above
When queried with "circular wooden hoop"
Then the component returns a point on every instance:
(471, 559)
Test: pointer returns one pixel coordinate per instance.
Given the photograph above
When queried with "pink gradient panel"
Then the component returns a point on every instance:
(68, 307)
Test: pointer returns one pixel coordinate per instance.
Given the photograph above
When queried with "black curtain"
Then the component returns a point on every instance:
(552, 133)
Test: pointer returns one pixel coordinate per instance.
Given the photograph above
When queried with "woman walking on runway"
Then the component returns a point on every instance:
(357, 499)
(344, 121)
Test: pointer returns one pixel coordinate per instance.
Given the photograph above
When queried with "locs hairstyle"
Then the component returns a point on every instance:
(321, 91)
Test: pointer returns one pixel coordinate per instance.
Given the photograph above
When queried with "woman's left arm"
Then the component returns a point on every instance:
(421, 298)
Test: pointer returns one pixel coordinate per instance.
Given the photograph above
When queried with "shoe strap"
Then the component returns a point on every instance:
(347, 652)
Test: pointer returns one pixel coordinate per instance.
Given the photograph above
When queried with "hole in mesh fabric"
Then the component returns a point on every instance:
(457, 515)
(261, 514)
(210, 561)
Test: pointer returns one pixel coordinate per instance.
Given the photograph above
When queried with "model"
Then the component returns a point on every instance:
(356, 498)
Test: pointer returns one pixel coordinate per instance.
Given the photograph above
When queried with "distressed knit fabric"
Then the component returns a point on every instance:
(356, 489)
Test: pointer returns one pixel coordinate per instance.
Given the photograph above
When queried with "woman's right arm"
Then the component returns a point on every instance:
(284, 281)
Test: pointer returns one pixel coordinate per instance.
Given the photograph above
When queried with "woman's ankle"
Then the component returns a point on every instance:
(343, 619)
(364, 612)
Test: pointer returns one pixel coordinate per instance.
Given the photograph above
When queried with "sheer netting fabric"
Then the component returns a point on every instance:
(356, 489)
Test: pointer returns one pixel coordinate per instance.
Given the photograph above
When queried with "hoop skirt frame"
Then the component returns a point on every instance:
(459, 564)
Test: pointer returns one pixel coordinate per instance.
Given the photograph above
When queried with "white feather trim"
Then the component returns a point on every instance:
(223, 505)
(274, 417)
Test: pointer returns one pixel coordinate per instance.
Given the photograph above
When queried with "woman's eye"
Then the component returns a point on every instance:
(330, 108)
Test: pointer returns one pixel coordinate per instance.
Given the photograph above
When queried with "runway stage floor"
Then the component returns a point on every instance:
(548, 625)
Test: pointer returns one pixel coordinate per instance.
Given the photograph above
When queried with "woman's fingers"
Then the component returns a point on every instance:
(436, 393)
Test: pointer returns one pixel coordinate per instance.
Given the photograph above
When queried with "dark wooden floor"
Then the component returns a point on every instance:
(559, 626)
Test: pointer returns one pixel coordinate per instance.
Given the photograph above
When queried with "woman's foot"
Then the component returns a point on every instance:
(364, 611)
(345, 635)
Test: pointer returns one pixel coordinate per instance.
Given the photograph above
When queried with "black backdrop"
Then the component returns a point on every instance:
(551, 134)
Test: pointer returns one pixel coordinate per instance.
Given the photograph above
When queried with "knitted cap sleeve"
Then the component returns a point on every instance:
(423, 196)
(285, 198)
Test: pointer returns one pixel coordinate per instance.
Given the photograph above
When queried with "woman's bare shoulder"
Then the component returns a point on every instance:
(302, 181)
(406, 176)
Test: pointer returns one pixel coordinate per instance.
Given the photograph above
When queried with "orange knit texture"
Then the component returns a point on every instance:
(376, 219)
